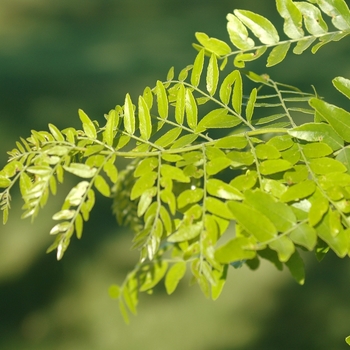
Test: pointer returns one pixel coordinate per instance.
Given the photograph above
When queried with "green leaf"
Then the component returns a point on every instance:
(218, 188)
(64, 215)
(226, 86)
(56, 133)
(251, 104)
(189, 197)
(217, 164)
(146, 200)
(145, 124)
(114, 291)
(304, 235)
(88, 125)
(337, 117)
(313, 20)
(238, 33)
(81, 170)
(278, 54)
(76, 194)
(339, 12)
(174, 275)
(259, 25)
(233, 141)
(220, 277)
(216, 46)
(292, 18)
(319, 207)
(217, 119)
(342, 85)
(299, 191)
(148, 96)
(108, 133)
(217, 207)
(180, 105)
(191, 109)
(169, 137)
(335, 179)
(129, 115)
(279, 213)
(186, 232)
(267, 151)
(102, 186)
(326, 165)
(123, 311)
(142, 184)
(145, 166)
(344, 157)
(212, 75)
(284, 248)
(316, 150)
(162, 100)
(253, 221)
(236, 249)
(303, 45)
(318, 132)
(197, 68)
(4, 182)
(173, 173)
(347, 339)
(296, 267)
(79, 225)
(111, 170)
(269, 167)
(332, 233)
(61, 227)
(184, 141)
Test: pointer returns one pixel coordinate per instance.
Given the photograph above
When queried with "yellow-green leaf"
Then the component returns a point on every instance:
(174, 275)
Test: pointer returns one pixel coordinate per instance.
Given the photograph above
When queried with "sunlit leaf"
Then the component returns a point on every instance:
(277, 54)
(292, 18)
(88, 125)
(253, 221)
(259, 25)
(342, 85)
(212, 75)
(144, 115)
(197, 68)
(337, 117)
(238, 33)
(174, 275)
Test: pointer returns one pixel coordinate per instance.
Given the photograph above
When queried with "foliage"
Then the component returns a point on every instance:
(226, 167)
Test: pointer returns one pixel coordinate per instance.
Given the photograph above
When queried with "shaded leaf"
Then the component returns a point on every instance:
(296, 267)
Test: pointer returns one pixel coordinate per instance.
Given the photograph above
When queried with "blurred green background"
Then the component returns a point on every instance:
(58, 56)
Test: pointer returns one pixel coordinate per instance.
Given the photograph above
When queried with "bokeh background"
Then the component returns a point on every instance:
(58, 56)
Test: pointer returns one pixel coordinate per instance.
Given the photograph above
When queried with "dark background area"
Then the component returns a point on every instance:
(56, 57)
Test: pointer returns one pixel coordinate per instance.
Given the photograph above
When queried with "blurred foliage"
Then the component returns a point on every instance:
(58, 57)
